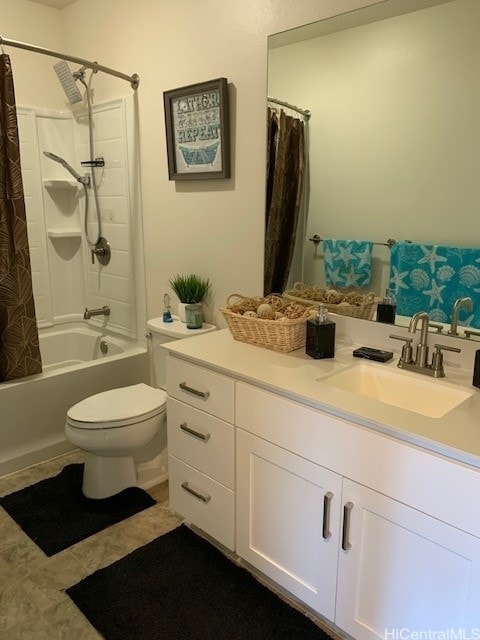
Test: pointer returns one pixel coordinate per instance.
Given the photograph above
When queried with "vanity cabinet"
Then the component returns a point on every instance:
(201, 448)
(385, 564)
(372, 533)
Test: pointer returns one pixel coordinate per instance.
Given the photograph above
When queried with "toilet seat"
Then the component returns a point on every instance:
(117, 407)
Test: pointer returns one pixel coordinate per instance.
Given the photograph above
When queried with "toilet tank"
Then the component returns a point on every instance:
(162, 332)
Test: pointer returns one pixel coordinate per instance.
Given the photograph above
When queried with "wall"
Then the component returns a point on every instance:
(389, 122)
(214, 228)
(35, 81)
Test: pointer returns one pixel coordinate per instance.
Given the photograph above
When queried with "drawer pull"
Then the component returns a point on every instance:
(196, 392)
(347, 509)
(204, 498)
(327, 501)
(201, 436)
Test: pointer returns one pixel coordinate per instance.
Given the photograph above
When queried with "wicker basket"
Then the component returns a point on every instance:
(285, 334)
(365, 310)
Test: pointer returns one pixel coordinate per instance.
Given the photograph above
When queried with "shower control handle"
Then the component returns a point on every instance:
(102, 251)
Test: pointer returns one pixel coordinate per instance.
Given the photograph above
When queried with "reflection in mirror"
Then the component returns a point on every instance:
(393, 151)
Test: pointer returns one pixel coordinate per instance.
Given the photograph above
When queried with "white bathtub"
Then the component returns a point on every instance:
(33, 409)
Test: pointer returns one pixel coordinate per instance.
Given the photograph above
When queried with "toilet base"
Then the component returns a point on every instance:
(105, 476)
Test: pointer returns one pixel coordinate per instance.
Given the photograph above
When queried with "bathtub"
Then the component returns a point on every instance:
(78, 361)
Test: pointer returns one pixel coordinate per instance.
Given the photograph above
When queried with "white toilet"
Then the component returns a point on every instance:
(113, 426)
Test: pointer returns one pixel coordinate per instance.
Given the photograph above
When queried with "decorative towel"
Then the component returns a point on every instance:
(348, 263)
(431, 277)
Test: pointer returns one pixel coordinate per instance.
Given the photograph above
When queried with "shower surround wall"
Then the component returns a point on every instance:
(64, 279)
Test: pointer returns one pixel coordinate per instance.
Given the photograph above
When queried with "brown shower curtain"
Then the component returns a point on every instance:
(19, 348)
(285, 180)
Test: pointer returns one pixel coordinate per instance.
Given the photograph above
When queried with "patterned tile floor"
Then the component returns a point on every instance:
(33, 605)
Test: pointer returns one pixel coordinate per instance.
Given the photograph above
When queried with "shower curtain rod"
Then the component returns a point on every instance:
(304, 112)
(134, 79)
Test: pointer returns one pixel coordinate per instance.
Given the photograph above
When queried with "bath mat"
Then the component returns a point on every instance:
(179, 587)
(55, 514)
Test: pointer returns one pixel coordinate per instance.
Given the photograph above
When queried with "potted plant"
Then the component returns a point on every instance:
(190, 289)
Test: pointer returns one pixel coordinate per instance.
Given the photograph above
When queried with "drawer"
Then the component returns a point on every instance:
(202, 501)
(201, 388)
(202, 441)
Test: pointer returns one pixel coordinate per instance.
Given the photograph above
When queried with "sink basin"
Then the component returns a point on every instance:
(409, 391)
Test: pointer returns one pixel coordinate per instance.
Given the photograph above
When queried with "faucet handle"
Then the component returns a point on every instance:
(437, 359)
(406, 349)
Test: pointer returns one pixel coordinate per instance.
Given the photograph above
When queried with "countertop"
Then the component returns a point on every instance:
(295, 375)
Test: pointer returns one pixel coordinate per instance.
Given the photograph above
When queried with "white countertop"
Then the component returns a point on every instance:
(297, 376)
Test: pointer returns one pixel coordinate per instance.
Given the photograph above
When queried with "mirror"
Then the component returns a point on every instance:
(394, 135)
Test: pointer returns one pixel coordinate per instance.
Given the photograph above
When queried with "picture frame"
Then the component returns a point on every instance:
(198, 131)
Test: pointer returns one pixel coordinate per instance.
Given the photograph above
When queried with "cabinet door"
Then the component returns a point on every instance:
(288, 519)
(404, 572)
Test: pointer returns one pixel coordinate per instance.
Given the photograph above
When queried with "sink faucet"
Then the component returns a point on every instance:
(103, 311)
(420, 364)
(467, 303)
(421, 353)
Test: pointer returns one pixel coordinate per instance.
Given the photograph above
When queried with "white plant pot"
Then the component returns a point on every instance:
(181, 312)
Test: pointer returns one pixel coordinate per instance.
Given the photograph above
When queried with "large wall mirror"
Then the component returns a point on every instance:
(394, 134)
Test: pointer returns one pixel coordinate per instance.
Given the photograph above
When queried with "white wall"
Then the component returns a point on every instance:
(35, 81)
(393, 136)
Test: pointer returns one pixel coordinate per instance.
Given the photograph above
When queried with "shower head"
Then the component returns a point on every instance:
(82, 179)
(67, 80)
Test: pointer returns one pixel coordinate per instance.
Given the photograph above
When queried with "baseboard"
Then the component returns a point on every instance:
(34, 457)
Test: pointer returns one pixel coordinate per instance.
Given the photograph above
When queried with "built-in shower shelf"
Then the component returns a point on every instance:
(67, 232)
(64, 185)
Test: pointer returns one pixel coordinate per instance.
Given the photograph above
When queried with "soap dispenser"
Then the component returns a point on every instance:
(386, 309)
(320, 336)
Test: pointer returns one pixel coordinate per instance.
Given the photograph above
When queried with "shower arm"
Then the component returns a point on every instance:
(133, 79)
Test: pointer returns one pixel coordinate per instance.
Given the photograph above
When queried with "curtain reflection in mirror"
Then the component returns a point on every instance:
(286, 168)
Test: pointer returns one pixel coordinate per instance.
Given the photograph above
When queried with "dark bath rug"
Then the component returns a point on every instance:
(55, 514)
(179, 587)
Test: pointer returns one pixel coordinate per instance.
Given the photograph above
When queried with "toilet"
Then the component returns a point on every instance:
(112, 427)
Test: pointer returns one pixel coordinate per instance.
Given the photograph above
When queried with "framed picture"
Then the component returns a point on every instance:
(197, 124)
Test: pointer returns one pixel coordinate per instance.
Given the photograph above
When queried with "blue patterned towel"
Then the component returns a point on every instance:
(348, 263)
(431, 277)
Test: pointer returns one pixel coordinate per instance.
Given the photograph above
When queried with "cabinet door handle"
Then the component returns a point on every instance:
(347, 509)
(203, 497)
(196, 392)
(327, 501)
(201, 436)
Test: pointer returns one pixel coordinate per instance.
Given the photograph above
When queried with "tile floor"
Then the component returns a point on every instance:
(33, 605)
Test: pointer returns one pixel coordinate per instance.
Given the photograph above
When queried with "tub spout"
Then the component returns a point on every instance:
(103, 311)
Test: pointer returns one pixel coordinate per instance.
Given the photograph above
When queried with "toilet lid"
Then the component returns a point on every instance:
(117, 407)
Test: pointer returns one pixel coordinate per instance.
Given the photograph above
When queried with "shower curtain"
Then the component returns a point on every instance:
(285, 180)
(19, 348)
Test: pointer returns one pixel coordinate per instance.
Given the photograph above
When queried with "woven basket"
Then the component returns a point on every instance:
(365, 310)
(280, 335)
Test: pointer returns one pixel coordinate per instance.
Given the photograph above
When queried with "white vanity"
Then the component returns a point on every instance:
(367, 513)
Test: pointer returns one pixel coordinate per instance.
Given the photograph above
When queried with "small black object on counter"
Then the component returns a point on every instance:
(369, 353)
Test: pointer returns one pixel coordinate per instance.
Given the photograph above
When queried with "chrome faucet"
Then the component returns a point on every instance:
(421, 354)
(467, 303)
(420, 363)
(103, 311)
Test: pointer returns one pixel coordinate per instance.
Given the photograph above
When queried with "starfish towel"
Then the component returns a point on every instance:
(348, 263)
(430, 277)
